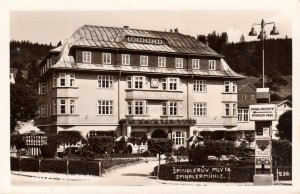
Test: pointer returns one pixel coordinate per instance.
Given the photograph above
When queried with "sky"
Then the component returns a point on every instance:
(54, 26)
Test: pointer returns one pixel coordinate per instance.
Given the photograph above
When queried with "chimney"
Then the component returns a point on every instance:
(126, 27)
(176, 30)
(171, 30)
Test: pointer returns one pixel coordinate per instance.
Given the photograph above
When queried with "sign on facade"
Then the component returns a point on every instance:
(266, 161)
(262, 112)
(263, 147)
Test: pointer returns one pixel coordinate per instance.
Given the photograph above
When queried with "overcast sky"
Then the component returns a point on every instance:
(54, 26)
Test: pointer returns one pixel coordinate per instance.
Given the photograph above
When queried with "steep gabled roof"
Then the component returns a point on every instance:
(280, 102)
(244, 103)
(246, 89)
(114, 38)
(111, 38)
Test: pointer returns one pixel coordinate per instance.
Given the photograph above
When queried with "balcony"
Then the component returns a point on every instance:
(229, 97)
(65, 92)
(230, 121)
(132, 94)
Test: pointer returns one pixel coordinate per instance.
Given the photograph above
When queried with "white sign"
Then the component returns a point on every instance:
(263, 147)
(262, 112)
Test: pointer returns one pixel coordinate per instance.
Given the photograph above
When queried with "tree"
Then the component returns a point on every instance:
(242, 39)
(180, 153)
(18, 141)
(160, 146)
(284, 126)
(202, 38)
(23, 104)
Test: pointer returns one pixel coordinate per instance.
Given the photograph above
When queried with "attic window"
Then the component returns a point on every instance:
(145, 40)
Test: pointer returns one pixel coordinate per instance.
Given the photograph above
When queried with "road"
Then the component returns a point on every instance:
(132, 175)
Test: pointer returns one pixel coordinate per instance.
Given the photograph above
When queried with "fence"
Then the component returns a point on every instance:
(66, 166)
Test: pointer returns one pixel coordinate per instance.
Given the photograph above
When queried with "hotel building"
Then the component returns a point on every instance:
(166, 84)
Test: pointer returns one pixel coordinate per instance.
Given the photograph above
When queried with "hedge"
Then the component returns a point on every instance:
(236, 174)
(108, 163)
(15, 164)
(56, 166)
(84, 167)
(29, 164)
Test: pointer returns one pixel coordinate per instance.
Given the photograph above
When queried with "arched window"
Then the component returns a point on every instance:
(92, 133)
(178, 138)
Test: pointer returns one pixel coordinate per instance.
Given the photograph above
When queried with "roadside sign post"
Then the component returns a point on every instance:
(263, 114)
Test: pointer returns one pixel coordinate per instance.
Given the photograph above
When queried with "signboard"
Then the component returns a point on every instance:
(263, 147)
(266, 161)
(262, 112)
(211, 174)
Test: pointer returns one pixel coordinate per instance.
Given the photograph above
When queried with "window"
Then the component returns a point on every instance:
(226, 85)
(227, 109)
(62, 106)
(243, 115)
(105, 81)
(43, 112)
(143, 60)
(138, 108)
(173, 83)
(72, 80)
(178, 138)
(230, 87)
(138, 82)
(72, 107)
(86, 57)
(196, 63)
(129, 108)
(164, 84)
(161, 61)
(54, 84)
(129, 82)
(106, 58)
(212, 64)
(42, 88)
(252, 97)
(164, 108)
(179, 62)
(243, 96)
(105, 107)
(54, 107)
(173, 109)
(92, 133)
(199, 86)
(199, 109)
(230, 109)
(125, 59)
(62, 79)
(233, 109)
(233, 86)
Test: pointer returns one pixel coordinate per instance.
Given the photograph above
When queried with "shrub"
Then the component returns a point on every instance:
(242, 174)
(180, 153)
(284, 126)
(29, 164)
(84, 167)
(232, 135)
(57, 166)
(100, 144)
(219, 147)
(110, 133)
(249, 136)
(282, 152)
(206, 134)
(14, 164)
(198, 155)
(217, 135)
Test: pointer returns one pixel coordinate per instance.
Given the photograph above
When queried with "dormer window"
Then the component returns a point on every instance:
(86, 57)
(145, 40)
(212, 64)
